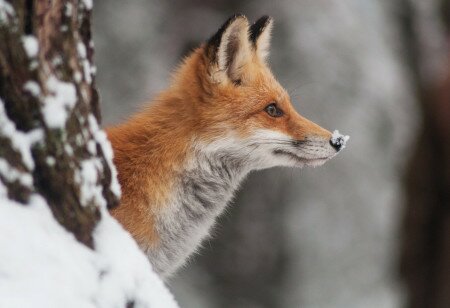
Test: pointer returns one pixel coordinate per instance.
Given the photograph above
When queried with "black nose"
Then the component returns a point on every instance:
(337, 143)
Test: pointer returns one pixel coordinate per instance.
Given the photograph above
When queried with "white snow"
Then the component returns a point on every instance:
(87, 70)
(57, 105)
(11, 174)
(102, 139)
(21, 142)
(33, 64)
(32, 87)
(127, 274)
(339, 139)
(30, 43)
(57, 60)
(81, 48)
(87, 177)
(50, 160)
(88, 4)
(92, 147)
(68, 149)
(77, 76)
(43, 265)
(5, 10)
(69, 8)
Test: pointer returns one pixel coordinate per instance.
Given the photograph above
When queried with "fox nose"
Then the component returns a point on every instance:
(337, 143)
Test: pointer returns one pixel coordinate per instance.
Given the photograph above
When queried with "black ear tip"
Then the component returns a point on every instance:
(214, 42)
(264, 19)
(258, 27)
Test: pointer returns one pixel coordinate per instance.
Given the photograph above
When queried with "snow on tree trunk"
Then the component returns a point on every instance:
(58, 244)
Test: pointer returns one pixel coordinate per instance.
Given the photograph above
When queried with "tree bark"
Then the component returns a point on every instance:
(53, 153)
(425, 251)
(47, 90)
(425, 262)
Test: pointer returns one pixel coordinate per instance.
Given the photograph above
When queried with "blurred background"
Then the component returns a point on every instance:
(371, 228)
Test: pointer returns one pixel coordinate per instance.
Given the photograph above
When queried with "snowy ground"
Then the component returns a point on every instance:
(43, 265)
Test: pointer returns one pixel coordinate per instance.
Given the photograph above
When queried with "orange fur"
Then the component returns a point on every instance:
(154, 144)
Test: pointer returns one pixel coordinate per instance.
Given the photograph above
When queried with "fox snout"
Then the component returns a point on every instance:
(270, 148)
(338, 141)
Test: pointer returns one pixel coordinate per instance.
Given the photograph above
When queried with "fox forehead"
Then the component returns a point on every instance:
(241, 109)
(226, 84)
(254, 93)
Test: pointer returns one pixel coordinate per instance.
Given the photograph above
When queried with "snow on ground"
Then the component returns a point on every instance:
(127, 271)
(42, 265)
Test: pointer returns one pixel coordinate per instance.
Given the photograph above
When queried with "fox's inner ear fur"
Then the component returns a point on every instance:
(260, 33)
(229, 49)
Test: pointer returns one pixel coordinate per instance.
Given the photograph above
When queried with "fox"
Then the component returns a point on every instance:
(182, 157)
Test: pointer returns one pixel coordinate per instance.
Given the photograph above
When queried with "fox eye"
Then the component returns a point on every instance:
(273, 110)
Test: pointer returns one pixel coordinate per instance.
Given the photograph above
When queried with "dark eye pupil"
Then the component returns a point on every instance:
(273, 111)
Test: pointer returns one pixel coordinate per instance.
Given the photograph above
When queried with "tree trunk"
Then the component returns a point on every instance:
(48, 93)
(425, 254)
(426, 237)
(53, 154)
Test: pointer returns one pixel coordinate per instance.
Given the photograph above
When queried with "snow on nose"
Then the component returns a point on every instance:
(338, 141)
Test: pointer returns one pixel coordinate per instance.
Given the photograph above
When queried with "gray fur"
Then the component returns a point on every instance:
(201, 195)
(206, 184)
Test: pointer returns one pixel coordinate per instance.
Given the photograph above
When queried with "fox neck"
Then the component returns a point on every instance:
(201, 193)
(174, 186)
(180, 184)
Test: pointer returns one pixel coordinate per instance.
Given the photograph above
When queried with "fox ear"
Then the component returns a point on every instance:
(260, 33)
(229, 49)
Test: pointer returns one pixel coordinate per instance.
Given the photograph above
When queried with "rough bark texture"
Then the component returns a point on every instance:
(425, 255)
(61, 29)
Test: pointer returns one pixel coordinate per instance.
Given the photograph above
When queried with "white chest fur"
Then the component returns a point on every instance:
(202, 192)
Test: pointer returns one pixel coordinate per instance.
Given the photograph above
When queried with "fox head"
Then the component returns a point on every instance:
(239, 108)
(224, 114)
